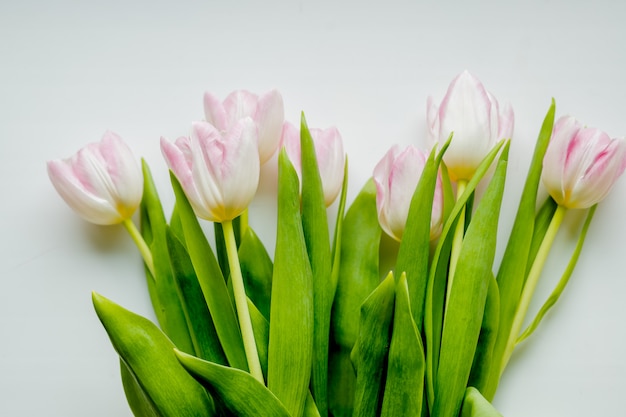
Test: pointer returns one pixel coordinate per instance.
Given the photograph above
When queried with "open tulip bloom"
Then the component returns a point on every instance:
(322, 328)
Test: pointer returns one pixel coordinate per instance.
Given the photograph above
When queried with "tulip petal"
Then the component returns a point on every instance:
(270, 114)
(214, 111)
(238, 105)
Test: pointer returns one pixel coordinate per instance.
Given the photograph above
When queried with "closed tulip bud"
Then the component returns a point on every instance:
(396, 177)
(581, 164)
(102, 182)
(472, 114)
(266, 111)
(219, 172)
(328, 151)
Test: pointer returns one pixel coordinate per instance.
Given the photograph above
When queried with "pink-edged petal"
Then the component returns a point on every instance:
(290, 141)
(238, 105)
(270, 115)
(214, 112)
(331, 160)
(506, 122)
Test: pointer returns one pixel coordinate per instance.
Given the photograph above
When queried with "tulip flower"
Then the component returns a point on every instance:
(219, 172)
(102, 182)
(396, 177)
(472, 114)
(329, 152)
(581, 164)
(267, 112)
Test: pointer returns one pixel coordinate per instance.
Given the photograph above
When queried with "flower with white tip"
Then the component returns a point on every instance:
(102, 182)
(219, 171)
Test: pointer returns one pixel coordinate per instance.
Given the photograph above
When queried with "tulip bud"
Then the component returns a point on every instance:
(328, 151)
(102, 182)
(396, 177)
(473, 116)
(267, 113)
(581, 164)
(219, 172)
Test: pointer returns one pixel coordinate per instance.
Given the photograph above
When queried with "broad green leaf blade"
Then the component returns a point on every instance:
(315, 228)
(211, 281)
(162, 288)
(483, 359)
(465, 307)
(256, 269)
(512, 271)
(291, 313)
(556, 293)
(433, 314)
(201, 328)
(413, 254)
(475, 405)
(261, 330)
(404, 385)
(372, 347)
(236, 390)
(358, 276)
(139, 402)
(149, 357)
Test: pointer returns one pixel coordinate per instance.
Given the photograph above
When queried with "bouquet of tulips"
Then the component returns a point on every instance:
(327, 325)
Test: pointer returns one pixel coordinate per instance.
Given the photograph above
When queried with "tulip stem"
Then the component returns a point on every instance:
(531, 283)
(141, 245)
(241, 303)
(457, 242)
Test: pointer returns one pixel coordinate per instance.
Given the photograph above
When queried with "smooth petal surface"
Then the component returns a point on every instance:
(472, 114)
(396, 177)
(102, 182)
(269, 119)
(581, 164)
(218, 172)
(329, 152)
(214, 111)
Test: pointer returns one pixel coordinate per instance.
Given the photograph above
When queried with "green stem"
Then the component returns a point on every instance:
(554, 297)
(531, 284)
(141, 245)
(241, 303)
(457, 241)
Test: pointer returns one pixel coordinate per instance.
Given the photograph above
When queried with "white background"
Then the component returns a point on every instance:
(69, 70)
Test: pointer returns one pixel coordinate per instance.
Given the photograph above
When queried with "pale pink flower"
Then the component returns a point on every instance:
(396, 177)
(219, 171)
(581, 164)
(267, 112)
(102, 182)
(472, 114)
(328, 151)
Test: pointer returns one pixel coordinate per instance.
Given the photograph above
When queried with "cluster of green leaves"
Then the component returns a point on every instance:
(335, 334)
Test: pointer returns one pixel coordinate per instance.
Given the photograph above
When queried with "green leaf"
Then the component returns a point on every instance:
(542, 222)
(201, 328)
(404, 385)
(162, 288)
(256, 269)
(211, 281)
(475, 405)
(236, 390)
(358, 276)
(413, 254)
(483, 359)
(436, 287)
(315, 228)
(140, 403)
(291, 313)
(162, 384)
(372, 347)
(465, 307)
(512, 271)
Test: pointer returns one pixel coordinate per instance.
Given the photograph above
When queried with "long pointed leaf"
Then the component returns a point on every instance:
(291, 313)
(465, 307)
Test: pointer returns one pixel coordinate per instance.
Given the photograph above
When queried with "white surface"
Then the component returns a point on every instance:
(71, 69)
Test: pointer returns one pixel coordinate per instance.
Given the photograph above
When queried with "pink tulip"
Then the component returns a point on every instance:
(581, 164)
(219, 172)
(396, 177)
(102, 182)
(266, 111)
(328, 151)
(473, 116)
